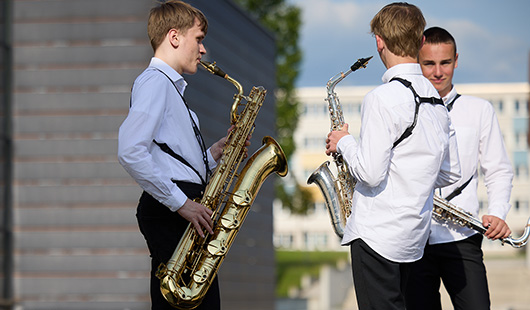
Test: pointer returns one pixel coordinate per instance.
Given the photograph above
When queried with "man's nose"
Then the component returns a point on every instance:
(438, 70)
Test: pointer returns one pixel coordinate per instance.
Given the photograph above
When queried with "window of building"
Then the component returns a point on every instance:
(283, 240)
(315, 240)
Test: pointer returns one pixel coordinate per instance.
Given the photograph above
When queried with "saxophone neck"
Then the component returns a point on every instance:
(215, 70)
(330, 86)
(360, 63)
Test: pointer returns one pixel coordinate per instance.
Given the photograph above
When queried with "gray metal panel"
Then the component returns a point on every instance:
(78, 101)
(98, 170)
(79, 239)
(57, 194)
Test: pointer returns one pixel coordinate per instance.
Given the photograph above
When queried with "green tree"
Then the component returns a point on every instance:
(284, 21)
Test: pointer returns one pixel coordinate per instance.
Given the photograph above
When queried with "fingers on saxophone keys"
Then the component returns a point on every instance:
(198, 228)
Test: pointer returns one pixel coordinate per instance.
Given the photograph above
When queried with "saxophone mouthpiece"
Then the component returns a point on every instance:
(213, 68)
(360, 63)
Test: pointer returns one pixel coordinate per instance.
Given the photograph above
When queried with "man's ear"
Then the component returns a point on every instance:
(456, 60)
(173, 37)
(380, 43)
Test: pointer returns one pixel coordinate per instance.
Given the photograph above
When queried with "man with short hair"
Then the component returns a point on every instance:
(453, 253)
(160, 144)
(406, 149)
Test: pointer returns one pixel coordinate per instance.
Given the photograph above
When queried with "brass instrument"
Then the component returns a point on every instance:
(337, 192)
(186, 277)
(447, 213)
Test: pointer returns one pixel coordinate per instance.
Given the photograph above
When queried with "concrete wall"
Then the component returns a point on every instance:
(77, 242)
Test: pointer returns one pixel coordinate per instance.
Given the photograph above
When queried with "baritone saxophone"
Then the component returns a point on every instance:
(188, 274)
(337, 191)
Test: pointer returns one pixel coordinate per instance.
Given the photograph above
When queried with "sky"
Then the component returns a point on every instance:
(492, 37)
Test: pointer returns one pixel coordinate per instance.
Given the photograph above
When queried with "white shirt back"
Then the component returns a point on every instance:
(392, 202)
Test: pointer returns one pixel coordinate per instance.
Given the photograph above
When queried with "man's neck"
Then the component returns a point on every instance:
(392, 60)
(165, 56)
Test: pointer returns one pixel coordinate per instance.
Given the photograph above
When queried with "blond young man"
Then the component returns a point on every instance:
(395, 173)
(453, 253)
(160, 144)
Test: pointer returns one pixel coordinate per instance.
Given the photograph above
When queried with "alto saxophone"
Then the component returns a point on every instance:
(447, 213)
(186, 277)
(337, 192)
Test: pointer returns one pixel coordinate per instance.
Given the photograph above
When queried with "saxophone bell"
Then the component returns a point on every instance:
(324, 179)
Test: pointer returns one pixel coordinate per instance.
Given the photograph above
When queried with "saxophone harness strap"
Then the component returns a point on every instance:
(164, 147)
(419, 100)
(457, 191)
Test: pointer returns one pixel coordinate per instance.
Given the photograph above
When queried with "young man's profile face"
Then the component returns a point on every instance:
(190, 49)
(438, 62)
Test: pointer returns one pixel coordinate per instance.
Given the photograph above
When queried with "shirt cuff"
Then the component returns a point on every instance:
(499, 210)
(176, 200)
(344, 143)
(211, 161)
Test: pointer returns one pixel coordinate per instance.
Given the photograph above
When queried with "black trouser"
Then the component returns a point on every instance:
(379, 282)
(162, 230)
(461, 268)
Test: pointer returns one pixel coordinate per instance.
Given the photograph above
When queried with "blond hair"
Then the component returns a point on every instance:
(401, 26)
(172, 14)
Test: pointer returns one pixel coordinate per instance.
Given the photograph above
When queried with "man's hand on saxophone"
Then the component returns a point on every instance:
(217, 148)
(497, 228)
(333, 139)
(198, 215)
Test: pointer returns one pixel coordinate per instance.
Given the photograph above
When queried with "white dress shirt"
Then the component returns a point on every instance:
(158, 113)
(392, 202)
(480, 145)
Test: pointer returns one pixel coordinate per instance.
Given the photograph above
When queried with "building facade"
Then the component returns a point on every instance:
(314, 231)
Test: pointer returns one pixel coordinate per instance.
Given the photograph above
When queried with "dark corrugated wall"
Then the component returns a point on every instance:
(6, 206)
(77, 243)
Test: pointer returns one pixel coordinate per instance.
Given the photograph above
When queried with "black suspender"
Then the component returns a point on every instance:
(419, 100)
(432, 100)
(450, 105)
(458, 190)
(164, 147)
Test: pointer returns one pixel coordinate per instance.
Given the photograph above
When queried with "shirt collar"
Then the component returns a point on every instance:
(175, 77)
(450, 96)
(401, 69)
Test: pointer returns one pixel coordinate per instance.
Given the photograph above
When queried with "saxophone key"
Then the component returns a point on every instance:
(230, 219)
(202, 275)
(217, 247)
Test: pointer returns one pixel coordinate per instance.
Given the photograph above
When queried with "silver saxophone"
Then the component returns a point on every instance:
(337, 191)
(447, 213)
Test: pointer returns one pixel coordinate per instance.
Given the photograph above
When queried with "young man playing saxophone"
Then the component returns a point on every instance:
(453, 253)
(392, 202)
(160, 144)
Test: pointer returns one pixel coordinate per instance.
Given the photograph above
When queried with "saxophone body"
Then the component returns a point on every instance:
(337, 191)
(188, 274)
(447, 213)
